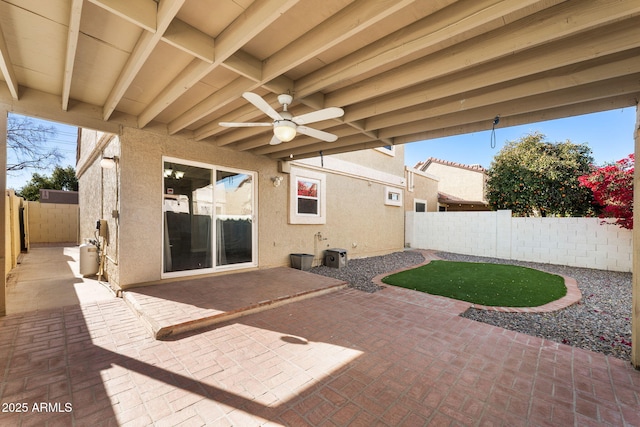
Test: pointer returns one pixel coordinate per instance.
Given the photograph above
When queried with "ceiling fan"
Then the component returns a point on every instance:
(285, 125)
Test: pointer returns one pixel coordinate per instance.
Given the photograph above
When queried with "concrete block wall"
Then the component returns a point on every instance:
(576, 242)
(53, 223)
(472, 233)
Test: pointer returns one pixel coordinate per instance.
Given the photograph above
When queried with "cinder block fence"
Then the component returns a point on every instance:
(53, 223)
(576, 242)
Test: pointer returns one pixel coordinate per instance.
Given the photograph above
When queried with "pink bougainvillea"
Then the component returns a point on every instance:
(612, 187)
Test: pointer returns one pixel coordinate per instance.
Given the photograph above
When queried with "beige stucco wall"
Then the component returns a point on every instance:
(463, 183)
(357, 218)
(421, 186)
(98, 196)
(377, 159)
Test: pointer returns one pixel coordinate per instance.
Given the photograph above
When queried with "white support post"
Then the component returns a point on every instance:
(635, 305)
(3, 210)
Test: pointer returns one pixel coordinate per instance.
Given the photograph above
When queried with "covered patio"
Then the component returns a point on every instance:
(396, 357)
(403, 71)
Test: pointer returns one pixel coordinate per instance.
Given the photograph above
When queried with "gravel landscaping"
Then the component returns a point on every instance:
(359, 272)
(599, 322)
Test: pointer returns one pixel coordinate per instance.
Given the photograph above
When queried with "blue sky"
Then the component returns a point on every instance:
(608, 134)
(65, 140)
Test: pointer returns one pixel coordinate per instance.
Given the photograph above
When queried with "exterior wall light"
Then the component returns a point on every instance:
(108, 162)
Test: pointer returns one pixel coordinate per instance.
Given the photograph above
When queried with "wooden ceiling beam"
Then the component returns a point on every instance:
(203, 133)
(554, 24)
(224, 96)
(313, 149)
(359, 142)
(6, 66)
(240, 134)
(356, 144)
(449, 25)
(140, 12)
(183, 36)
(46, 106)
(72, 45)
(167, 10)
(246, 113)
(245, 65)
(255, 19)
(250, 70)
(614, 39)
(353, 19)
(564, 78)
(629, 84)
(605, 104)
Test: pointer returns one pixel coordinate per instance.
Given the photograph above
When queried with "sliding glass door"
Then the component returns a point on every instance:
(234, 217)
(208, 218)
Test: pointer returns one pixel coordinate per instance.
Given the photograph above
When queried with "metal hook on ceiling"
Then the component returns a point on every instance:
(496, 120)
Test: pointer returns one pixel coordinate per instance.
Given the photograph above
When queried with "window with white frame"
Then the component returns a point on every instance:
(393, 196)
(307, 194)
(420, 205)
(389, 150)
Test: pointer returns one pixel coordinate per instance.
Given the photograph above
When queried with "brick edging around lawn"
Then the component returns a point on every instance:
(573, 292)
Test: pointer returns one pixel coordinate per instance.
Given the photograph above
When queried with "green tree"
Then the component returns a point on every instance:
(60, 179)
(533, 177)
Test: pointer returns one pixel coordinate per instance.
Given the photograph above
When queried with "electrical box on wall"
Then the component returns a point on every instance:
(101, 226)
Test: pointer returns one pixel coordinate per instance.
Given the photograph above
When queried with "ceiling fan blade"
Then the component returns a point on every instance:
(315, 133)
(274, 141)
(318, 116)
(262, 105)
(243, 125)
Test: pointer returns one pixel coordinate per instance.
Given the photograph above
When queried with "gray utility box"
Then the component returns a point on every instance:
(302, 261)
(336, 258)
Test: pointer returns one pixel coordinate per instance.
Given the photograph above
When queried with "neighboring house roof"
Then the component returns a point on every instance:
(448, 199)
(457, 186)
(59, 196)
(424, 165)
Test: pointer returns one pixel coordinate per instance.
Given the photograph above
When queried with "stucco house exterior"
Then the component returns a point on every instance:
(173, 209)
(460, 187)
(421, 193)
(402, 71)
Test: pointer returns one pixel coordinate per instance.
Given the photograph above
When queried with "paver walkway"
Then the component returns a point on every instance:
(395, 357)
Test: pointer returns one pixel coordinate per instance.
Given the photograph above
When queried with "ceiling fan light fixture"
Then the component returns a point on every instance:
(284, 130)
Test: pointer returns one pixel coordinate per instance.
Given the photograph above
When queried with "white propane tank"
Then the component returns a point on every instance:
(88, 259)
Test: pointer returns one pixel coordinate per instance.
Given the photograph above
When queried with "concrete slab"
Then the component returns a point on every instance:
(49, 277)
(177, 307)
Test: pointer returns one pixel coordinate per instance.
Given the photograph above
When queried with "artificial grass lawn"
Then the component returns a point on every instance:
(482, 283)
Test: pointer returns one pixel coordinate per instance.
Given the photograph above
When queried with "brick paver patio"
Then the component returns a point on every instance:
(396, 357)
